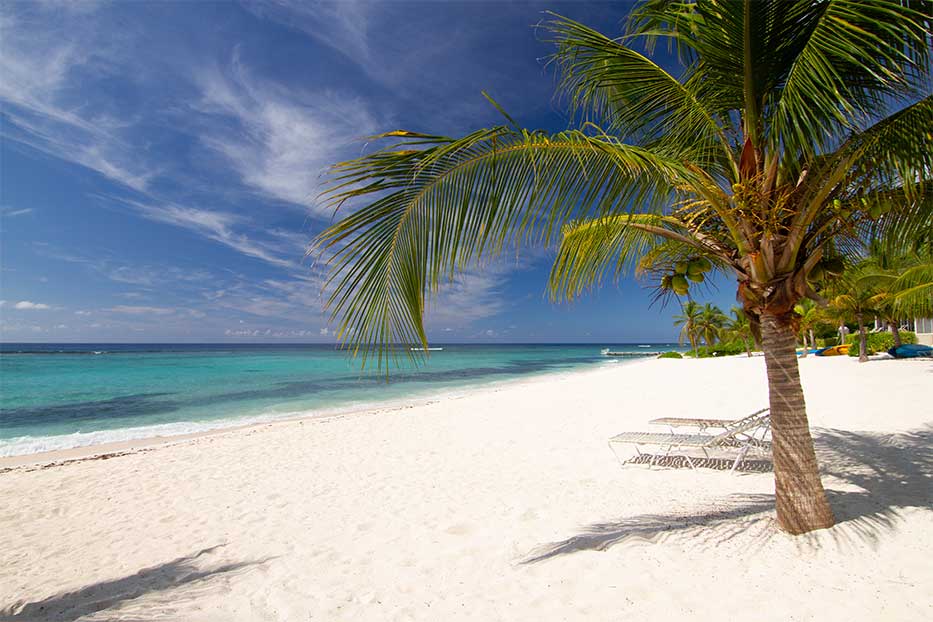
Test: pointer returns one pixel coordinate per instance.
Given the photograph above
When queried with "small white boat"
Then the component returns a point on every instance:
(426, 349)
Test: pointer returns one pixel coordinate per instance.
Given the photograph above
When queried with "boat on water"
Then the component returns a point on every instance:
(426, 349)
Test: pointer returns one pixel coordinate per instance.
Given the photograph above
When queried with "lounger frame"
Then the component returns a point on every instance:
(738, 439)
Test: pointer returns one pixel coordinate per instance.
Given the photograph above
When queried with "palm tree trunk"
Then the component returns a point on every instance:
(799, 496)
(748, 349)
(862, 340)
(895, 333)
(805, 348)
(812, 339)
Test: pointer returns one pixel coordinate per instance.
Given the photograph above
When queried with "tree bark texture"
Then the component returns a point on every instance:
(862, 340)
(799, 496)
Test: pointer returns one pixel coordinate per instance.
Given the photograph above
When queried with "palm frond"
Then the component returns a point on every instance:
(850, 61)
(802, 72)
(628, 93)
(886, 169)
(436, 204)
(913, 291)
(591, 249)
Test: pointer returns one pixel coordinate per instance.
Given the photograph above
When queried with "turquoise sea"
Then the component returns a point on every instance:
(56, 396)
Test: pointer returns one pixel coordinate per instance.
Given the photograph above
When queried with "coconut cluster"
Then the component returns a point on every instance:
(685, 271)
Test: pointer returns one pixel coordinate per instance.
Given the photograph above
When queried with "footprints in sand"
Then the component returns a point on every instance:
(529, 515)
(459, 529)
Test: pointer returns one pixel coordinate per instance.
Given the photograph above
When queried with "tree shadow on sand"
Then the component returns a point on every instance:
(891, 471)
(98, 597)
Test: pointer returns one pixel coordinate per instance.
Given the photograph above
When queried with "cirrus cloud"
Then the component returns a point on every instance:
(27, 305)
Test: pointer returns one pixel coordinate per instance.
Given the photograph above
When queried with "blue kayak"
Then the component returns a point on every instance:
(910, 351)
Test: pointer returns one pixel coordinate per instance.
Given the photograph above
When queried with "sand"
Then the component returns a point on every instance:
(504, 504)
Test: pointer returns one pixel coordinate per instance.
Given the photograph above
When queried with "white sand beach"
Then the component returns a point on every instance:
(505, 504)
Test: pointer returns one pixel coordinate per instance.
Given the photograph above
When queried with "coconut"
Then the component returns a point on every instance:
(696, 278)
(704, 263)
(694, 268)
(681, 267)
(679, 284)
(666, 281)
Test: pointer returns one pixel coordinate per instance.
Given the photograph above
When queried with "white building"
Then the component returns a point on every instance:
(923, 326)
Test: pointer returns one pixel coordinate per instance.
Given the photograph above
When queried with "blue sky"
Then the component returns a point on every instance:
(160, 163)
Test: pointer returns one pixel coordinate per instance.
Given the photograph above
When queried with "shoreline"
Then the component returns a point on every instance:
(107, 449)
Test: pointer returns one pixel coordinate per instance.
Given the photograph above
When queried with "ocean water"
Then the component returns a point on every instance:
(57, 396)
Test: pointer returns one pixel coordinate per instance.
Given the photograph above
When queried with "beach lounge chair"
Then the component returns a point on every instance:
(735, 442)
(702, 424)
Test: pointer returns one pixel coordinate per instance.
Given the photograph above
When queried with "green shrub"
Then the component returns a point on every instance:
(878, 342)
(721, 349)
(671, 355)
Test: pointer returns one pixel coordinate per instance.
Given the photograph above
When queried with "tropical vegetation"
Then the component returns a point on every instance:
(879, 342)
(789, 130)
(689, 323)
(739, 329)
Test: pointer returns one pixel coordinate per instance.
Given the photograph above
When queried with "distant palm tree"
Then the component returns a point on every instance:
(764, 153)
(857, 298)
(740, 328)
(902, 283)
(712, 321)
(689, 322)
(809, 314)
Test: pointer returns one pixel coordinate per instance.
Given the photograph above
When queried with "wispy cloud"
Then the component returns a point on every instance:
(273, 333)
(26, 305)
(142, 275)
(417, 54)
(13, 213)
(342, 26)
(280, 247)
(297, 299)
(39, 69)
(472, 296)
(142, 310)
(285, 138)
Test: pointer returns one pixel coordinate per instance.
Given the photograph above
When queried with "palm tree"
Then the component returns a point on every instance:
(808, 315)
(905, 289)
(902, 282)
(740, 328)
(901, 272)
(689, 321)
(857, 298)
(768, 144)
(712, 321)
